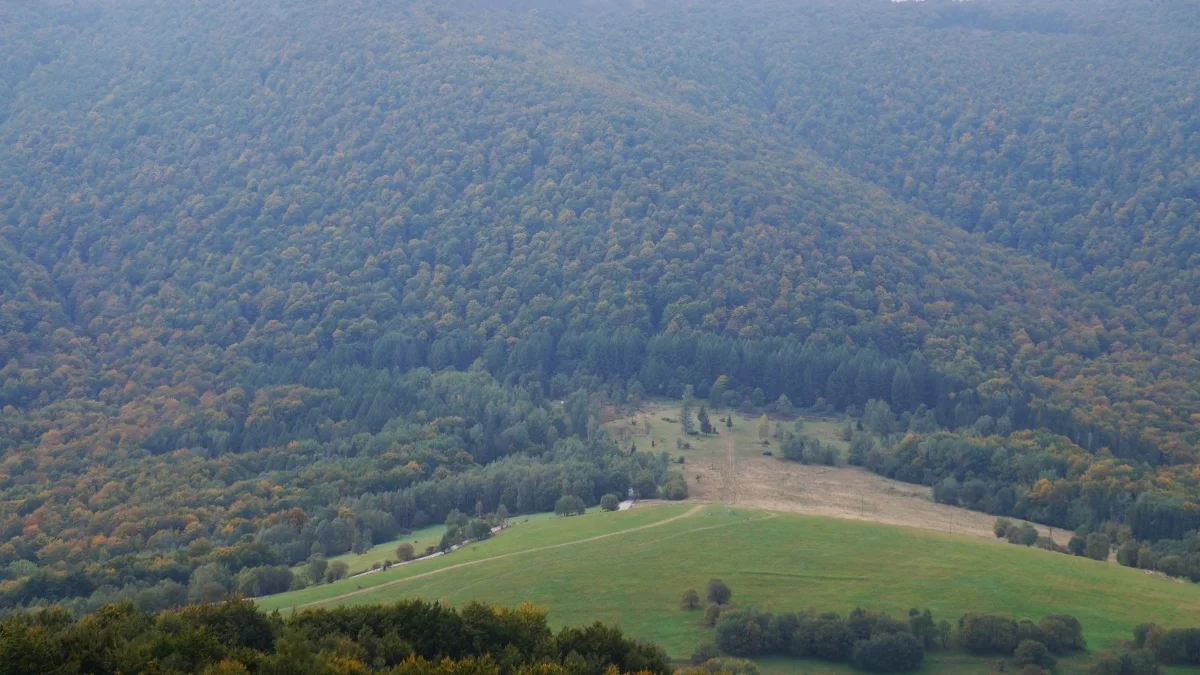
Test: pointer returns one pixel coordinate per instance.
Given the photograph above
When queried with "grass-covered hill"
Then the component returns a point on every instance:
(631, 568)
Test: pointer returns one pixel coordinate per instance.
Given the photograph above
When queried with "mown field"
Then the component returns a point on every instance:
(630, 568)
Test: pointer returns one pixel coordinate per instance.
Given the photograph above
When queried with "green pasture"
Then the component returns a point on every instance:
(635, 575)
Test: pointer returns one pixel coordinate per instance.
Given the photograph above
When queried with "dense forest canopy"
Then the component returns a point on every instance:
(411, 637)
(277, 279)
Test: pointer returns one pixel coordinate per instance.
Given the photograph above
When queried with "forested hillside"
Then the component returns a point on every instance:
(251, 250)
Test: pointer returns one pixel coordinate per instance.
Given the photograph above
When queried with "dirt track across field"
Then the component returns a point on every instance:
(372, 589)
(840, 492)
(730, 490)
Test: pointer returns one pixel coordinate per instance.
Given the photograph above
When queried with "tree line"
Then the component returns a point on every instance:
(874, 641)
(410, 637)
(460, 444)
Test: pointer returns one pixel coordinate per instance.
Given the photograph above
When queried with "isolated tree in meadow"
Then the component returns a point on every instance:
(675, 489)
(764, 428)
(610, 502)
(798, 426)
(337, 570)
(569, 505)
(316, 568)
(1000, 528)
(719, 592)
(706, 426)
(405, 552)
(690, 599)
(729, 421)
(685, 414)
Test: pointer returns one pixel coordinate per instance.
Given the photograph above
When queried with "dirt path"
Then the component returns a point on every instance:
(839, 492)
(731, 491)
(372, 589)
(627, 551)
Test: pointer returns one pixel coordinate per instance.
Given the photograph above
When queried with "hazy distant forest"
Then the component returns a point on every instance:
(283, 280)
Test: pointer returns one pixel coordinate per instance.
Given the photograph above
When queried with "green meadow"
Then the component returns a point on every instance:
(650, 430)
(630, 568)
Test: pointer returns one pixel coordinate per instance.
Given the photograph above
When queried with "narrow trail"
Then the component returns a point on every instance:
(372, 589)
(627, 551)
(731, 489)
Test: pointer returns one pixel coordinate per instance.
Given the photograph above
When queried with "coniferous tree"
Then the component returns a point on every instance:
(706, 426)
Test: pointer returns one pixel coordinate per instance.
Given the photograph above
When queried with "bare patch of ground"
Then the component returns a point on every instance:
(732, 470)
(839, 492)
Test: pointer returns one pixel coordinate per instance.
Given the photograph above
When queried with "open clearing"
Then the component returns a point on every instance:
(630, 568)
(729, 468)
(668, 436)
(839, 492)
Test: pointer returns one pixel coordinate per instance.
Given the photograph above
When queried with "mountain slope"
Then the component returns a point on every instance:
(239, 231)
(422, 201)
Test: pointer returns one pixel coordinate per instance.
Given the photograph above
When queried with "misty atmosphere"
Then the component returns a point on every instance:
(777, 336)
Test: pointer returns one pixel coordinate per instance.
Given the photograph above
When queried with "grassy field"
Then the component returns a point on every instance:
(630, 568)
(667, 435)
(515, 543)
(420, 539)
